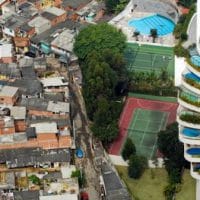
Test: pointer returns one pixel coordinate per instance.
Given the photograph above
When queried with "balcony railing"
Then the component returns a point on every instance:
(194, 82)
(189, 97)
(189, 62)
(190, 117)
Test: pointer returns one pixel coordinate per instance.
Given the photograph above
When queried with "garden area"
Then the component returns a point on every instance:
(152, 184)
(180, 31)
(150, 69)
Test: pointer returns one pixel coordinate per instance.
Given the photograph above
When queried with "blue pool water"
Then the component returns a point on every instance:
(144, 25)
(194, 151)
(190, 132)
(192, 76)
(196, 60)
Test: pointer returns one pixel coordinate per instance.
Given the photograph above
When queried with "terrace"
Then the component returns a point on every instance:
(192, 153)
(191, 81)
(146, 12)
(189, 136)
(189, 117)
(189, 99)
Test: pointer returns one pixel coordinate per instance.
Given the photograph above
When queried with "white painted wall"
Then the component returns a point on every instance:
(180, 66)
(198, 26)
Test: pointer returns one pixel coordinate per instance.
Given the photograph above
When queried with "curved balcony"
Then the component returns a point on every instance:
(191, 82)
(189, 100)
(189, 119)
(189, 136)
(195, 170)
(192, 153)
(193, 69)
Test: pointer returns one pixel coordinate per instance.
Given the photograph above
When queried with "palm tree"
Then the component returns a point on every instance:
(136, 34)
(154, 34)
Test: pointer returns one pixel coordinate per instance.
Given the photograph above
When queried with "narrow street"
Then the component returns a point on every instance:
(83, 140)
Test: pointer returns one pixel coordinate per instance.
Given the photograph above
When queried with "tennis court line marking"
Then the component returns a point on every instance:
(154, 146)
(153, 60)
(134, 120)
(167, 119)
(163, 121)
(144, 132)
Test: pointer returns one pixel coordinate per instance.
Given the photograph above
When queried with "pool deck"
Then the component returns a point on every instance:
(144, 9)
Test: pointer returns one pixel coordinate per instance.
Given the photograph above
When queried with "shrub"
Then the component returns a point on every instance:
(174, 176)
(81, 177)
(192, 83)
(188, 60)
(137, 166)
(184, 36)
(34, 179)
(180, 51)
(195, 119)
(170, 191)
(187, 100)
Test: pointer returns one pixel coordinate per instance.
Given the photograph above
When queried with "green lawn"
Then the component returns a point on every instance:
(151, 185)
(188, 188)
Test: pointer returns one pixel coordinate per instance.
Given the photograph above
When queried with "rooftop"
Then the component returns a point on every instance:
(49, 16)
(60, 197)
(61, 122)
(34, 103)
(54, 81)
(26, 195)
(23, 157)
(49, 35)
(13, 138)
(5, 50)
(28, 72)
(45, 127)
(113, 185)
(55, 11)
(65, 40)
(28, 86)
(8, 91)
(38, 21)
(74, 3)
(58, 107)
(26, 62)
(13, 21)
(54, 96)
(18, 112)
(11, 70)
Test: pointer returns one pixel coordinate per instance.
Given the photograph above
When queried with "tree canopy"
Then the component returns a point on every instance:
(137, 165)
(173, 150)
(128, 149)
(186, 3)
(168, 143)
(115, 6)
(99, 49)
(98, 38)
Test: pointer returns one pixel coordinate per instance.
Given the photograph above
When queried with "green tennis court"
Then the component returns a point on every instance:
(147, 58)
(143, 130)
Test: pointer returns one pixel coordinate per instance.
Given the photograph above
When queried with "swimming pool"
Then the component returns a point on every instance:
(194, 151)
(192, 76)
(196, 60)
(190, 132)
(144, 25)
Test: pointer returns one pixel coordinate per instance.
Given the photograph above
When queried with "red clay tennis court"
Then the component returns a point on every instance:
(130, 108)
